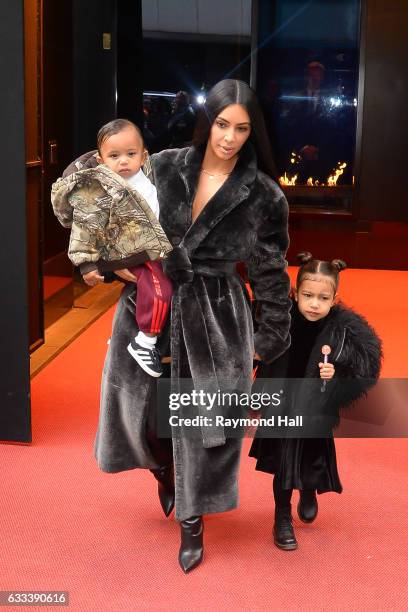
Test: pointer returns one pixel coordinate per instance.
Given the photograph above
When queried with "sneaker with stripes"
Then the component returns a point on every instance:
(148, 359)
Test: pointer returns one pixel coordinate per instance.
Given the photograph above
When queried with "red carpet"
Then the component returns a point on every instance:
(68, 526)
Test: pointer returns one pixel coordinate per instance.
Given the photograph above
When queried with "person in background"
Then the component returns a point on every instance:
(182, 121)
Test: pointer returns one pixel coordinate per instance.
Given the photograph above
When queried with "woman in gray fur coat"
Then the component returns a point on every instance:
(218, 206)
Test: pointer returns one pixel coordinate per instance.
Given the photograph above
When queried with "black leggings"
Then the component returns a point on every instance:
(282, 496)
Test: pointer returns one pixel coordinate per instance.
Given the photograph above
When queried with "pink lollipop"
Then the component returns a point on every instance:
(326, 350)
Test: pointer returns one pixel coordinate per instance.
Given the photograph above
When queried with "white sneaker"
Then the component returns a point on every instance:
(148, 359)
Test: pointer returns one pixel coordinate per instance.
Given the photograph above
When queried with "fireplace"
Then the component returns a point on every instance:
(314, 193)
(307, 81)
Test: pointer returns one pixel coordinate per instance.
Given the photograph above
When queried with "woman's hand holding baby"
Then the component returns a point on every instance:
(126, 275)
(94, 278)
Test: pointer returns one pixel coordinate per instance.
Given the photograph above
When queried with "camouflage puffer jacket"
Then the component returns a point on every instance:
(112, 225)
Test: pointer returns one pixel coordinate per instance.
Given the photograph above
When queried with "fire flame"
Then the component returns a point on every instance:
(287, 181)
(332, 180)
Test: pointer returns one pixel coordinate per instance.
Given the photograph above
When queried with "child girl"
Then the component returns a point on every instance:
(309, 464)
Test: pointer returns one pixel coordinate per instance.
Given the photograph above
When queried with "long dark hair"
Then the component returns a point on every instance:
(232, 91)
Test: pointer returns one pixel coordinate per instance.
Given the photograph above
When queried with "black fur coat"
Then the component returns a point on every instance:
(212, 337)
(355, 353)
(309, 461)
(245, 221)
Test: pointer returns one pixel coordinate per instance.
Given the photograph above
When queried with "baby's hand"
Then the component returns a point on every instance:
(126, 275)
(93, 278)
(326, 370)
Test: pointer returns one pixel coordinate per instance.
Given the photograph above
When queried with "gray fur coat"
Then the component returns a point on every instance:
(211, 337)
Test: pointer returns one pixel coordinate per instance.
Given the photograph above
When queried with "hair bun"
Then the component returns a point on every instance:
(304, 257)
(339, 264)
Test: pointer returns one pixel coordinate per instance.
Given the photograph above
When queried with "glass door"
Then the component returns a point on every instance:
(307, 80)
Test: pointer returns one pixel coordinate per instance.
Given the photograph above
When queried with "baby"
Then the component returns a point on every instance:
(121, 148)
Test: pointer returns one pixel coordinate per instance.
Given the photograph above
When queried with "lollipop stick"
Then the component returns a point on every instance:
(326, 350)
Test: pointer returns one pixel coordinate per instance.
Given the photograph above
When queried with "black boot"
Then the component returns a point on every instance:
(307, 506)
(283, 534)
(191, 548)
(165, 487)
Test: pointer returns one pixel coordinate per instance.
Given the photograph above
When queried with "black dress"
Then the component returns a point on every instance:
(300, 463)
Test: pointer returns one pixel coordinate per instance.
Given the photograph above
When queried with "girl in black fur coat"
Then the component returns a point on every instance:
(309, 463)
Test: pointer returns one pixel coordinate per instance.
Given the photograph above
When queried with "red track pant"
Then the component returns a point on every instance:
(154, 293)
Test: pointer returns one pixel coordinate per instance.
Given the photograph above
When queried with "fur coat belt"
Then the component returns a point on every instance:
(180, 269)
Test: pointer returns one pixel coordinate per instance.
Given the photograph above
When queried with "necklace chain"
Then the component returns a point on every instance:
(211, 175)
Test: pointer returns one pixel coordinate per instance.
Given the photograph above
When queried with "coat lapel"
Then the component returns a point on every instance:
(231, 193)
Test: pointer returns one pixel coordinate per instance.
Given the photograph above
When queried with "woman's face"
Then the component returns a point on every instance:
(230, 131)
